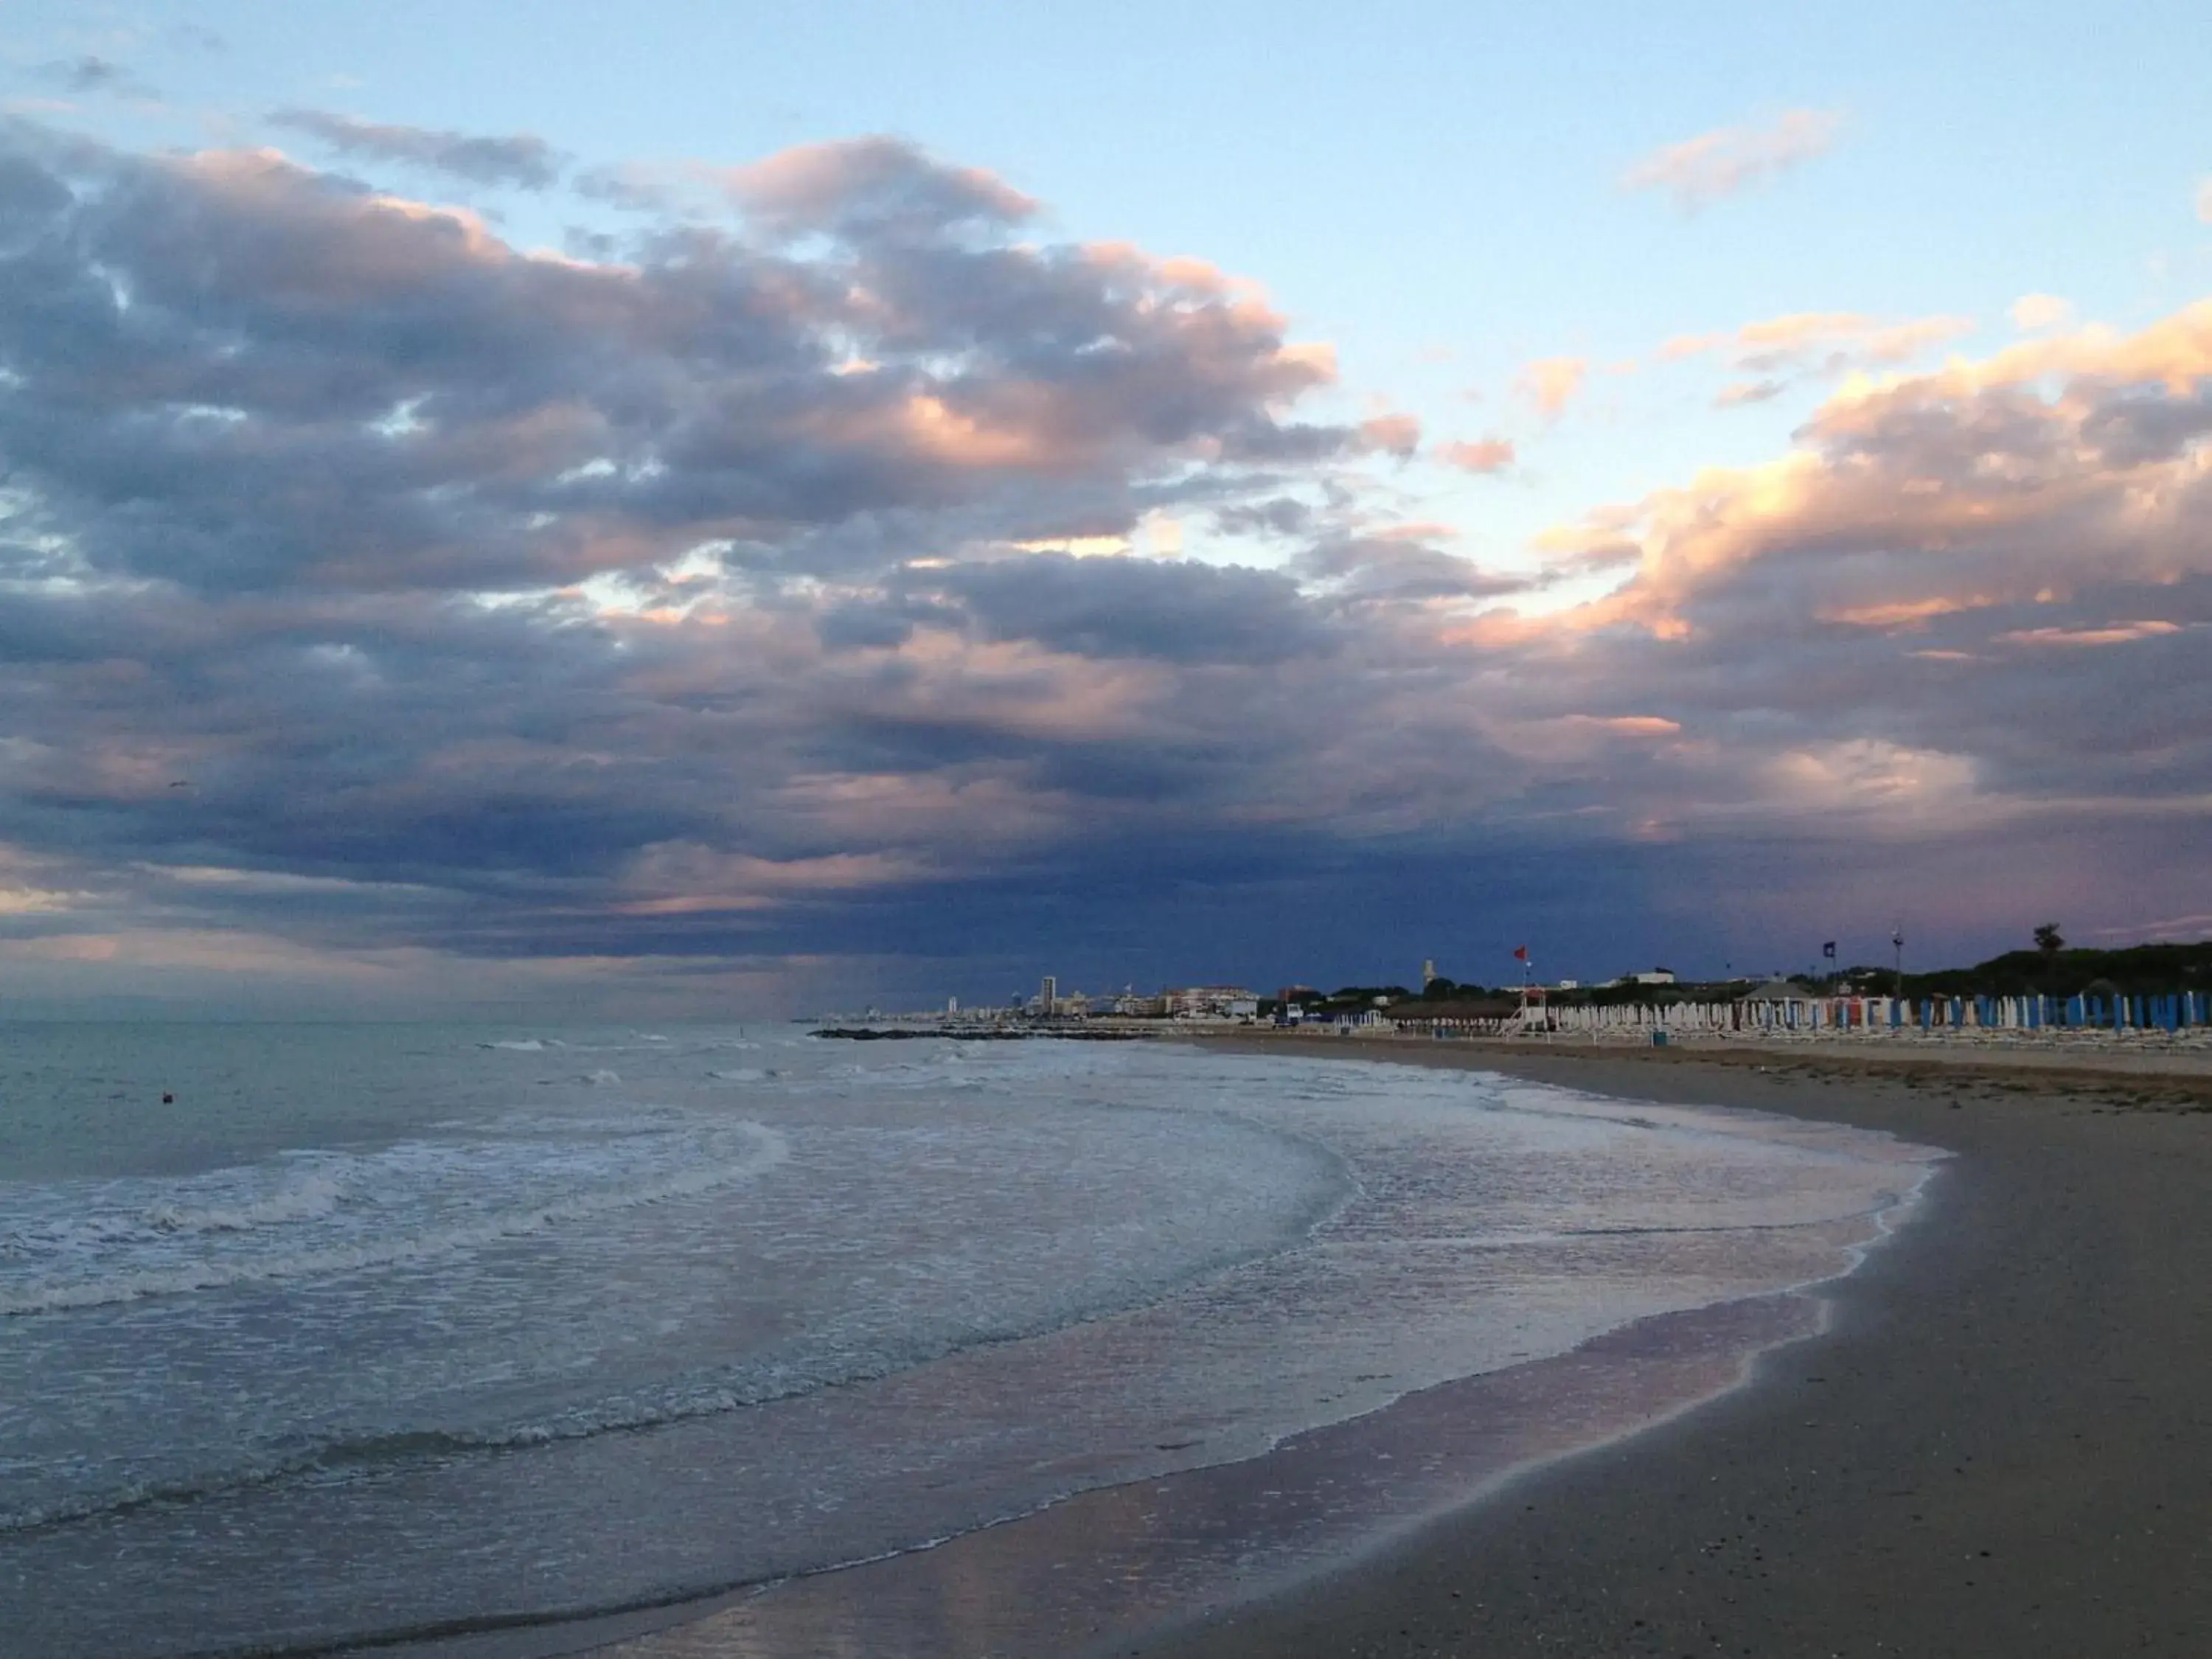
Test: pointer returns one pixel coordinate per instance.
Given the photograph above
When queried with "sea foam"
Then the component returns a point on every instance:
(156, 1267)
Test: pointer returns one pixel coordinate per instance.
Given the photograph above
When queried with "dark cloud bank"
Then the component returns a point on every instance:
(376, 593)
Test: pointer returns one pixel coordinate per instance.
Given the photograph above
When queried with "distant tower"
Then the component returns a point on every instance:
(1049, 995)
(952, 1005)
(1428, 971)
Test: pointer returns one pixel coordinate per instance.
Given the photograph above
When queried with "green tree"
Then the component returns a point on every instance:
(2047, 940)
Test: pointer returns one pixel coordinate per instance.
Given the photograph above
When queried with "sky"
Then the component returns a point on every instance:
(689, 510)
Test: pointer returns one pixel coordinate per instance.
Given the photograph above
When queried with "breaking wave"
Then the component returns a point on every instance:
(755, 1149)
(309, 1201)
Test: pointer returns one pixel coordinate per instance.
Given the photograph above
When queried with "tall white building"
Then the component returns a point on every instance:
(1048, 996)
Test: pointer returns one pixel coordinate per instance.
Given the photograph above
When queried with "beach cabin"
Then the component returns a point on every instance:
(1776, 1005)
(1458, 1014)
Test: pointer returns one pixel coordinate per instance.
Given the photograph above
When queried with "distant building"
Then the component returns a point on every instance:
(952, 1005)
(1776, 990)
(1049, 996)
(1209, 1002)
(1657, 977)
(1569, 985)
(1428, 972)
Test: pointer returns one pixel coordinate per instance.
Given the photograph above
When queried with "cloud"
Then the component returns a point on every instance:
(2032, 313)
(687, 878)
(2118, 633)
(1828, 341)
(1552, 383)
(631, 186)
(704, 616)
(1968, 603)
(1392, 435)
(1779, 352)
(875, 187)
(396, 396)
(1739, 392)
(1728, 161)
(522, 159)
(86, 73)
(1842, 337)
(1110, 609)
(1397, 567)
(1634, 725)
(1480, 455)
(459, 548)
(2053, 494)
(1281, 515)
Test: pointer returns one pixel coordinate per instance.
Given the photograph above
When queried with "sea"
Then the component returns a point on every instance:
(315, 1337)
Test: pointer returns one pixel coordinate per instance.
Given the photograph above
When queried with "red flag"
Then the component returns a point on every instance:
(1520, 953)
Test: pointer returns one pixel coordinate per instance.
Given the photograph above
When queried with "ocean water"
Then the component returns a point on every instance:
(418, 1329)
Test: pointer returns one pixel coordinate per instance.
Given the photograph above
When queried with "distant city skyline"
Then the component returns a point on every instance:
(512, 509)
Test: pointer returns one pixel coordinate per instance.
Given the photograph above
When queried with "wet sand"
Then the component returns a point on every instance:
(2003, 1444)
(1077, 1577)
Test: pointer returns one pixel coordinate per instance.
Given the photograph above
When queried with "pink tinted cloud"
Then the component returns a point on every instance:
(2033, 312)
(1828, 341)
(2120, 633)
(1552, 383)
(1727, 161)
(1976, 485)
(1737, 393)
(1482, 455)
(1396, 434)
(686, 877)
(1801, 335)
(813, 186)
(1777, 353)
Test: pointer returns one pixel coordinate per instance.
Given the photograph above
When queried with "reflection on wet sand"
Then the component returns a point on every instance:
(1082, 1574)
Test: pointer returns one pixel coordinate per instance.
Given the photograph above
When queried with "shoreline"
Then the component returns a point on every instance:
(1782, 1557)
(1339, 1493)
(1221, 1533)
(1998, 1445)
(2183, 1070)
